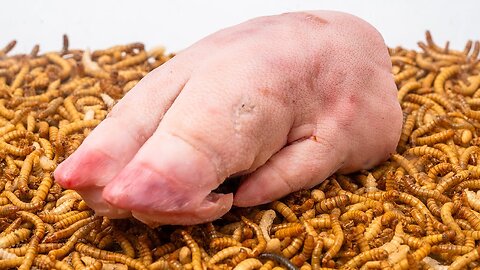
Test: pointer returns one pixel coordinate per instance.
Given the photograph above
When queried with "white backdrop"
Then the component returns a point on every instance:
(176, 24)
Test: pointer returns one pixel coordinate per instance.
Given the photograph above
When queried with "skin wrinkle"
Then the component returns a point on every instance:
(144, 134)
(202, 150)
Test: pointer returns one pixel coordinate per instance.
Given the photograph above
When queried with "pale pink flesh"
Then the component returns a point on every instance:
(290, 99)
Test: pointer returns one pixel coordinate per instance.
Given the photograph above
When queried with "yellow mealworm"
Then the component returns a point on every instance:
(14, 237)
(196, 254)
(285, 211)
(262, 243)
(328, 204)
(124, 243)
(70, 243)
(57, 59)
(109, 256)
(72, 219)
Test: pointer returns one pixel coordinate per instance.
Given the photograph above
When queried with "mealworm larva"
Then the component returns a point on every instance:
(409, 86)
(317, 195)
(442, 55)
(131, 61)
(108, 100)
(339, 237)
(164, 249)
(185, 255)
(51, 108)
(425, 63)
(445, 74)
(320, 222)
(11, 263)
(145, 253)
(308, 246)
(70, 243)
(373, 229)
(451, 249)
(446, 215)
(423, 192)
(50, 217)
(294, 246)
(473, 200)
(468, 90)
(196, 254)
(16, 151)
(76, 126)
(8, 209)
(440, 169)
(30, 253)
(72, 219)
(105, 242)
(26, 170)
(407, 129)
(226, 253)
(159, 265)
(334, 202)
(14, 237)
(266, 222)
(42, 248)
(77, 261)
(223, 242)
(126, 246)
(88, 101)
(435, 138)
(461, 262)
(20, 204)
(242, 255)
(248, 264)
(369, 255)
(467, 155)
(71, 110)
(471, 216)
(356, 215)
(290, 231)
(262, 243)
(15, 134)
(419, 100)
(405, 163)
(109, 256)
(426, 150)
(20, 77)
(453, 181)
(408, 73)
(442, 100)
(43, 189)
(4, 254)
(284, 210)
(57, 59)
(92, 68)
(392, 216)
(370, 184)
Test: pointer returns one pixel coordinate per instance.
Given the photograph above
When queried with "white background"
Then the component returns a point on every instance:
(176, 24)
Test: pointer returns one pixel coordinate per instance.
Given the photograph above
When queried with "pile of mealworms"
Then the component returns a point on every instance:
(418, 210)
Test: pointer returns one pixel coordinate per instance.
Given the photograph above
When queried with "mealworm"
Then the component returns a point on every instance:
(109, 256)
